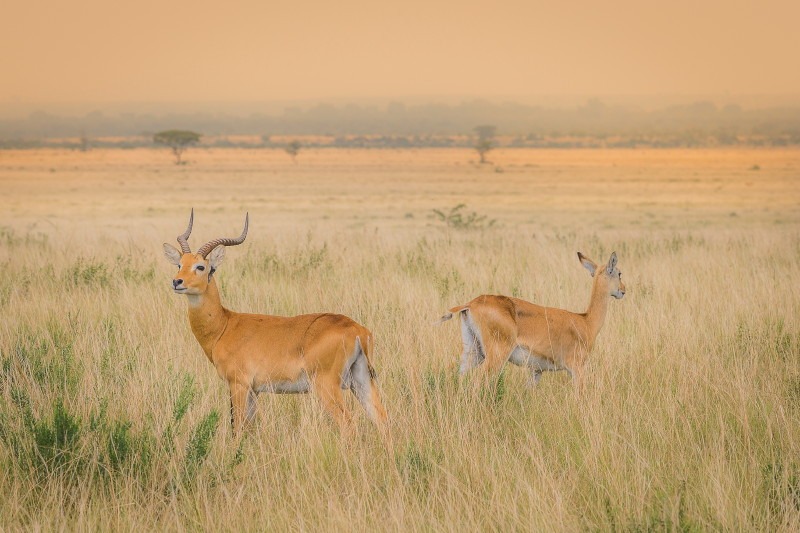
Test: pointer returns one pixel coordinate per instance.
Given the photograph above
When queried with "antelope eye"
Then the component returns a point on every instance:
(201, 268)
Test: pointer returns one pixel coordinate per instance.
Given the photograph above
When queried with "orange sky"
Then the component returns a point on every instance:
(200, 50)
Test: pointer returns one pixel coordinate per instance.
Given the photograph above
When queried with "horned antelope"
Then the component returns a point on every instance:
(322, 352)
(496, 329)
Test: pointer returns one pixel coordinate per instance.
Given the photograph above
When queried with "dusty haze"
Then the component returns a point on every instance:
(93, 51)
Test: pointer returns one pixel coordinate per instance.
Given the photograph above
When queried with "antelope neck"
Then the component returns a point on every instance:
(207, 317)
(598, 305)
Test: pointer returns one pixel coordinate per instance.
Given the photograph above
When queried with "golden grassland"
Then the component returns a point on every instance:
(111, 417)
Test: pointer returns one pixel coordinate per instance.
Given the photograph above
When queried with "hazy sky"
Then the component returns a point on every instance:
(198, 50)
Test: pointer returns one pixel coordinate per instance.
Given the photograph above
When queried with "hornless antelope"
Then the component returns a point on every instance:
(496, 329)
(263, 353)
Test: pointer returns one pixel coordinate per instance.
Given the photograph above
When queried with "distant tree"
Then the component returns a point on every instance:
(485, 140)
(293, 148)
(85, 143)
(266, 139)
(178, 140)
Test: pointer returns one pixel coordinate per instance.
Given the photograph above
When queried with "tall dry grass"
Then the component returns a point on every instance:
(111, 418)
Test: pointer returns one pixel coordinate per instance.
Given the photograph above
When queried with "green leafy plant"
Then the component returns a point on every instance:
(457, 218)
(200, 444)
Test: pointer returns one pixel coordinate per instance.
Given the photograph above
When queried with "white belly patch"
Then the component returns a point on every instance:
(301, 386)
(520, 356)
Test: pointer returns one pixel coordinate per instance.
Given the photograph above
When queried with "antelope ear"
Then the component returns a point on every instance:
(216, 256)
(172, 254)
(612, 263)
(587, 263)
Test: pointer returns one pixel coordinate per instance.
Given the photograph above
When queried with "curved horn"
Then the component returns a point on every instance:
(182, 238)
(207, 247)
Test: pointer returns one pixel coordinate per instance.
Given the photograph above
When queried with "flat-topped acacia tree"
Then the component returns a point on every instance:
(178, 140)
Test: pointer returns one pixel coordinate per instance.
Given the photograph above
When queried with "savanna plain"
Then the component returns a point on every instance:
(111, 417)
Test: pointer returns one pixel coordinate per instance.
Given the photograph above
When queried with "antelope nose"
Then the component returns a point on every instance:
(176, 283)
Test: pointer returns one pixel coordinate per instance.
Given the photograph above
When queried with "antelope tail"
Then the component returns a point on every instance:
(447, 316)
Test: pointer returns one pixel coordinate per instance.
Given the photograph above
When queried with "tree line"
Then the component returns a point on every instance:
(397, 124)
